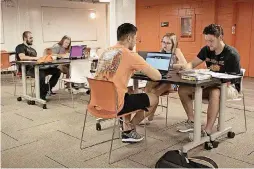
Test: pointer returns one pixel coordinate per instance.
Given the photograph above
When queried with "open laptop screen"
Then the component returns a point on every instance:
(76, 52)
(160, 61)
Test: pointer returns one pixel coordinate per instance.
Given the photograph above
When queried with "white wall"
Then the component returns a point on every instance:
(26, 15)
(121, 11)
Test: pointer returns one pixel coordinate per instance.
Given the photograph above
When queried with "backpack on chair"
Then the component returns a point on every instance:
(175, 159)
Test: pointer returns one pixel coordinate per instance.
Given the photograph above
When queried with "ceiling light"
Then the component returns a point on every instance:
(92, 15)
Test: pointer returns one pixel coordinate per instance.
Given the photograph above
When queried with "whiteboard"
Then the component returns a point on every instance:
(76, 23)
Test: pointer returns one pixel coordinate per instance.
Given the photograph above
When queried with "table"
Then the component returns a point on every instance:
(10, 52)
(37, 79)
(198, 85)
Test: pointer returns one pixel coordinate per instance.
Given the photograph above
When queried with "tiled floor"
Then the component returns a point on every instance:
(33, 137)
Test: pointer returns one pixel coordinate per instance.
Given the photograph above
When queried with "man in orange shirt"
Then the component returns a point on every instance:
(117, 64)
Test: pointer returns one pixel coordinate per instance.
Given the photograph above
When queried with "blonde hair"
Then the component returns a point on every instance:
(174, 41)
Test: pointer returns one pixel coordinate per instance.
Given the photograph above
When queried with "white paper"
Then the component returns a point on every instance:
(221, 75)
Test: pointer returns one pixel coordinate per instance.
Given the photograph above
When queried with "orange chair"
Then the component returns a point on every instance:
(104, 104)
(5, 62)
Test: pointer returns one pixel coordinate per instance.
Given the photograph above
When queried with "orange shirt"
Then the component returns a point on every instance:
(117, 64)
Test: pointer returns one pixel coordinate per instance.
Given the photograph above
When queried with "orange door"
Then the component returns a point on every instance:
(148, 24)
(244, 35)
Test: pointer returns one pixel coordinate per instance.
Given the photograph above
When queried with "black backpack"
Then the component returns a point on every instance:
(175, 159)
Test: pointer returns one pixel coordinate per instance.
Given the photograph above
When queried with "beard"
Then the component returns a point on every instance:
(211, 48)
(29, 43)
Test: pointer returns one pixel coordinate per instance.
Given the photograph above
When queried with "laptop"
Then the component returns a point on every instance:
(159, 61)
(143, 54)
(77, 52)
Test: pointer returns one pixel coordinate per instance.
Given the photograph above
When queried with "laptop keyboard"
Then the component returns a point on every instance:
(163, 75)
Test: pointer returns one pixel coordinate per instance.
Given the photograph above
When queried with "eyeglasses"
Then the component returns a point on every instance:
(166, 43)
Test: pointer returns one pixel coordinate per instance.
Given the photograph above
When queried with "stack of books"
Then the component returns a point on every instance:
(195, 75)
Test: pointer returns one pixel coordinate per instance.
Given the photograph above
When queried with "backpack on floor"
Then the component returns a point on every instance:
(175, 159)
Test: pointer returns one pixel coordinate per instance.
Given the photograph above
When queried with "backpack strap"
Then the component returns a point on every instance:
(205, 159)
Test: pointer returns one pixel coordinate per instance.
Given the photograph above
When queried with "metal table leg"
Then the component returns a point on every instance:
(37, 86)
(24, 87)
(197, 123)
(222, 129)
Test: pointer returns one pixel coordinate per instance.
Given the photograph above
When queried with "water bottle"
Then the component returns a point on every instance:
(175, 87)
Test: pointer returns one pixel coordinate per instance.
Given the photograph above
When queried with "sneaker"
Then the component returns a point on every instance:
(52, 93)
(131, 137)
(187, 126)
(43, 97)
(143, 122)
(203, 134)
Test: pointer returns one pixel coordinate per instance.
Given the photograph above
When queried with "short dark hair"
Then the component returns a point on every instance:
(124, 30)
(213, 29)
(24, 35)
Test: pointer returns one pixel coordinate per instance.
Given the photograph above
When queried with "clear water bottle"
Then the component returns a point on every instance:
(94, 65)
(175, 87)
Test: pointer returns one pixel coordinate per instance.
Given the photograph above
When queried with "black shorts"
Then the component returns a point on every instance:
(133, 102)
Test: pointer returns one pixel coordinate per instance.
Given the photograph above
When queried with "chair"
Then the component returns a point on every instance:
(78, 74)
(104, 104)
(18, 76)
(142, 85)
(5, 62)
(166, 94)
(240, 98)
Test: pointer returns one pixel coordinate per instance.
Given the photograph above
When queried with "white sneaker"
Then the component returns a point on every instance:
(143, 122)
(203, 134)
(187, 126)
(131, 137)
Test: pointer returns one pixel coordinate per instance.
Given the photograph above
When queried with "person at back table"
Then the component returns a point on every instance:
(169, 44)
(219, 57)
(25, 51)
(62, 49)
(117, 64)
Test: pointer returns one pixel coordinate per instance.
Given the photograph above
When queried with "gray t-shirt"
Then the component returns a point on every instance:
(58, 49)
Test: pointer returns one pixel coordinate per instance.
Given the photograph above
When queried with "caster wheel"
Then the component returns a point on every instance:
(29, 102)
(98, 126)
(44, 106)
(231, 134)
(32, 102)
(88, 92)
(208, 146)
(19, 99)
(215, 144)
